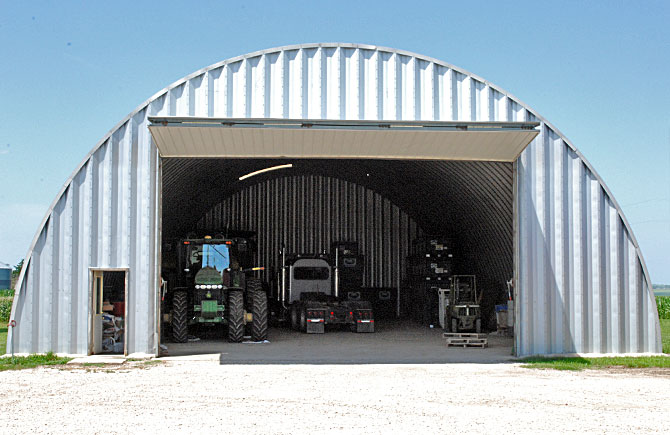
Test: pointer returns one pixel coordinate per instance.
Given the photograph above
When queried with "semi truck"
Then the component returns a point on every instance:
(311, 290)
(209, 284)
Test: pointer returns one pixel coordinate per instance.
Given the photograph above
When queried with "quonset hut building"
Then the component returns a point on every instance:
(386, 145)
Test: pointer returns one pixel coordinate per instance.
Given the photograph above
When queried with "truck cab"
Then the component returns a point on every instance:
(309, 294)
(309, 277)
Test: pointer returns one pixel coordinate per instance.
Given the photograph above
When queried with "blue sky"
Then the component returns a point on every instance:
(598, 71)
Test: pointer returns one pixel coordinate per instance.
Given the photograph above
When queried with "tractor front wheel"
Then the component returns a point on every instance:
(235, 316)
(259, 310)
(454, 325)
(179, 321)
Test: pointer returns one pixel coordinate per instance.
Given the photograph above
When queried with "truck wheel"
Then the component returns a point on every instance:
(259, 310)
(478, 326)
(454, 325)
(303, 319)
(179, 311)
(295, 321)
(235, 316)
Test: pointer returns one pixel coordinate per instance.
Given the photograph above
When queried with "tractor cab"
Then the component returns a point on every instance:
(218, 262)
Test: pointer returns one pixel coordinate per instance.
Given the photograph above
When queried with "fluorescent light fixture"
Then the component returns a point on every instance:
(272, 168)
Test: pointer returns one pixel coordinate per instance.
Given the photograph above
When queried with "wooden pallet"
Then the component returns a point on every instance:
(465, 339)
(462, 335)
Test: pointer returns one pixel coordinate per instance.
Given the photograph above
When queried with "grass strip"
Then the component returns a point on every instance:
(3, 338)
(31, 361)
(580, 363)
(665, 334)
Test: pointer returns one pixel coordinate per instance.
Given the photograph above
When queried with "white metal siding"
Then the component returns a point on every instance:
(581, 279)
(105, 218)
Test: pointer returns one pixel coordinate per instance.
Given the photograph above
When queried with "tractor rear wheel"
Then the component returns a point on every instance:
(259, 310)
(235, 316)
(478, 326)
(179, 321)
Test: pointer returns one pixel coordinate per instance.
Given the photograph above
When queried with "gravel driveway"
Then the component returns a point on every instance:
(199, 394)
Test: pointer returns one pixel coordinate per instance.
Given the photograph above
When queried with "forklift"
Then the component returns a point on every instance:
(464, 311)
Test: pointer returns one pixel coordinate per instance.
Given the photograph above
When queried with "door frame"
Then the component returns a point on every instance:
(93, 273)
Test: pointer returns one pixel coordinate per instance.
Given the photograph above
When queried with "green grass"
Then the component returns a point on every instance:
(5, 309)
(6, 297)
(579, 363)
(3, 339)
(31, 361)
(663, 306)
(665, 335)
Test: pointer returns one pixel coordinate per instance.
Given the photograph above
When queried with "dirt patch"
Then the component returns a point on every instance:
(655, 372)
(111, 368)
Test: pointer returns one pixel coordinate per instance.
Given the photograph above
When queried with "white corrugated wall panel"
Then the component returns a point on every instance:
(581, 281)
(105, 218)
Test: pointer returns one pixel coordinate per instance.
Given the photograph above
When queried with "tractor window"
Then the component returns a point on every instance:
(311, 273)
(216, 256)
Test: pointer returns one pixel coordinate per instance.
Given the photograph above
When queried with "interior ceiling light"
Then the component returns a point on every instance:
(272, 168)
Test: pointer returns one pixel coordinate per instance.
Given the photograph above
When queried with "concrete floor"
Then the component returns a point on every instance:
(394, 342)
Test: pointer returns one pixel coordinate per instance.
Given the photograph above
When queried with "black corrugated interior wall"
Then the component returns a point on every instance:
(307, 213)
(382, 204)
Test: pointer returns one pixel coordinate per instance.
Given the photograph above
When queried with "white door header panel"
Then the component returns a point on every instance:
(281, 138)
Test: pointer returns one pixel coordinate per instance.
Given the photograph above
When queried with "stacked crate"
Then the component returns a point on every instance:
(429, 268)
(350, 266)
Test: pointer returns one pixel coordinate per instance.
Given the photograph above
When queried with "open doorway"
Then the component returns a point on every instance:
(406, 226)
(108, 311)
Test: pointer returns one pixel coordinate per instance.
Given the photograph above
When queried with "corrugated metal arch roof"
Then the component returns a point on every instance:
(139, 115)
(143, 106)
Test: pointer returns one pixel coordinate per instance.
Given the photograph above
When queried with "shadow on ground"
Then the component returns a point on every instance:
(394, 342)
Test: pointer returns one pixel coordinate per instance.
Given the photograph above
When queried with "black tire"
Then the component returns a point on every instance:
(259, 310)
(478, 326)
(179, 314)
(294, 318)
(454, 325)
(303, 319)
(235, 316)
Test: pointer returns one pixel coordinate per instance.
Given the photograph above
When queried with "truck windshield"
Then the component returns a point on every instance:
(311, 273)
(216, 256)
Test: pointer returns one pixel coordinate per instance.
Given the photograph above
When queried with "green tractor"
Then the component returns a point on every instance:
(210, 286)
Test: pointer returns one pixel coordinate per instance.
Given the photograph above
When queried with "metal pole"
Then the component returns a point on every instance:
(337, 272)
(397, 301)
(283, 276)
(12, 324)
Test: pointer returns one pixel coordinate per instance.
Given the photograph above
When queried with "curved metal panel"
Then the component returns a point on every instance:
(582, 286)
(581, 278)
